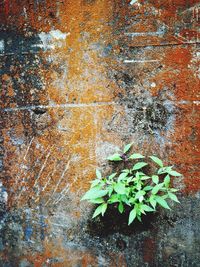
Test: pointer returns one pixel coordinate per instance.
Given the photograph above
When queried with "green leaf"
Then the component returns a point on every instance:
(152, 202)
(147, 208)
(129, 179)
(93, 193)
(174, 190)
(98, 174)
(100, 210)
(97, 200)
(126, 170)
(100, 193)
(173, 197)
(97, 211)
(174, 173)
(139, 194)
(165, 170)
(115, 157)
(145, 177)
(157, 188)
(136, 156)
(161, 170)
(141, 173)
(110, 177)
(95, 182)
(165, 196)
(121, 207)
(125, 199)
(132, 216)
(113, 199)
(127, 147)
(155, 179)
(120, 188)
(147, 188)
(139, 217)
(139, 165)
(110, 190)
(167, 180)
(157, 161)
(122, 176)
(132, 200)
(138, 186)
(162, 202)
(137, 175)
(104, 208)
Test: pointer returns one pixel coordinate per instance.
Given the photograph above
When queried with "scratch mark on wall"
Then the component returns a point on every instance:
(43, 166)
(160, 32)
(28, 148)
(141, 61)
(47, 179)
(53, 106)
(59, 181)
(23, 167)
(64, 191)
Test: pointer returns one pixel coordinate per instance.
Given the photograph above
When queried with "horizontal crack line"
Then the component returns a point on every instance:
(98, 104)
(81, 105)
(140, 61)
(19, 53)
(163, 45)
(136, 34)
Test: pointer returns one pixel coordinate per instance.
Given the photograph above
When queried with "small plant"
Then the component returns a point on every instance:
(130, 187)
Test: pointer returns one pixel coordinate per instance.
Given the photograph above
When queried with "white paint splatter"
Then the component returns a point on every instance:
(133, 2)
(2, 46)
(58, 35)
(3, 194)
(51, 40)
(153, 84)
(194, 64)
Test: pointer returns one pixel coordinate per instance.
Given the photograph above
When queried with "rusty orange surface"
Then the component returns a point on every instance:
(55, 136)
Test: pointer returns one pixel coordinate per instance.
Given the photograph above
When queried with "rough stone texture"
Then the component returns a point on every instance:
(78, 80)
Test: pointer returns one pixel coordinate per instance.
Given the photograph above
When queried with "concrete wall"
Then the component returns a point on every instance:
(78, 80)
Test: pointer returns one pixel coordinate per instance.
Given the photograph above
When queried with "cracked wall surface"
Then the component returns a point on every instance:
(78, 80)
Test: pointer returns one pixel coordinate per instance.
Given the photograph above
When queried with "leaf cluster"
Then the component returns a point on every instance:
(132, 187)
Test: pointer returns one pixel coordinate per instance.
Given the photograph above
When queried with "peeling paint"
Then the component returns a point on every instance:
(51, 40)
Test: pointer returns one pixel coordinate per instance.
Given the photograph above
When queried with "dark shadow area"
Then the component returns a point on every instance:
(114, 222)
(21, 68)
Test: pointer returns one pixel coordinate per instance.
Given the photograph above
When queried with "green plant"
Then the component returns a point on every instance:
(132, 187)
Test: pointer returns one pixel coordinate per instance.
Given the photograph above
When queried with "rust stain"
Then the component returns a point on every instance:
(57, 256)
(83, 83)
(149, 248)
(6, 5)
(61, 106)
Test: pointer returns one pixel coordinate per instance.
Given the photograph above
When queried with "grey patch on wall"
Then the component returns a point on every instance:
(12, 42)
(86, 2)
(104, 149)
(40, 120)
(144, 113)
(21, 62)
(173, 236)
(149, 114)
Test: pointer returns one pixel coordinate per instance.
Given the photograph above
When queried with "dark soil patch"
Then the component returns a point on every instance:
(114, 222)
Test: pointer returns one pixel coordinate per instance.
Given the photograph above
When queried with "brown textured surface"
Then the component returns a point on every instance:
(78, 80)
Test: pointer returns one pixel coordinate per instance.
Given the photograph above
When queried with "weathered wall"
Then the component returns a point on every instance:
(79, 79)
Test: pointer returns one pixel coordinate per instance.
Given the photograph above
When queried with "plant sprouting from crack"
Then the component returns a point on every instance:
(132, 187)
